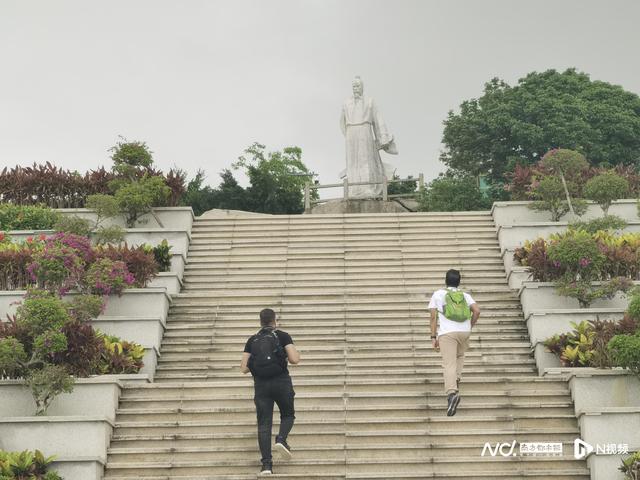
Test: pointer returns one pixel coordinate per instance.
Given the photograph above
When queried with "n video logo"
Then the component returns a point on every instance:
(581, 449)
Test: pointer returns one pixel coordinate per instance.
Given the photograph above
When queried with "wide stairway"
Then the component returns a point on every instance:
(352, 290)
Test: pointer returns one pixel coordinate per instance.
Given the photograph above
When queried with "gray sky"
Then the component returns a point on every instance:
(199, 81)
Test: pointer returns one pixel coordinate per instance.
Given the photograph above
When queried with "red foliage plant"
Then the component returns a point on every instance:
(50, 185)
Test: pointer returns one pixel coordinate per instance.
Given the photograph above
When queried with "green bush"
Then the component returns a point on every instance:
(625, 351)
(73, 224)
(42, 312)
(610, 223)
(577, 252)
(26, 466)
(139, 197)
(47, 383)
(634, 306)
(113, 235)
(452, 194)
(18, 217)
(105, 206)
(162, 254)
(586, 292)
(12, 357)
(84, 308)
(631, 466)
(605, 189)
(549, 195)
(563, 161)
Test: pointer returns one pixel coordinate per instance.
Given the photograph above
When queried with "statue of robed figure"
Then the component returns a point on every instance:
(365, 135)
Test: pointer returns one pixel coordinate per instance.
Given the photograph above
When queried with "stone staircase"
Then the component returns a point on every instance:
(352, 290)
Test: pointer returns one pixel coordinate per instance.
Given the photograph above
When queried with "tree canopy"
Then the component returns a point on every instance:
(276, 184)
(510, 125)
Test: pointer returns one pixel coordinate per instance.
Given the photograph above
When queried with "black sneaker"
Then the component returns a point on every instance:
(267, 469)
(283, 448)
(452, 403)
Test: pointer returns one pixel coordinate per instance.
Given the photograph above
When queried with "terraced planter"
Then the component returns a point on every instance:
(609, 425)
(543, 324)
(171, 281)
(508, 261)
(516, 277)
(178, 262)
(607, 403)
(94, 396)
(513, 236)
(79, 442)
(134, 302)
(176, 218)
(511, 213)
(178, 239)
(138, 315)
(534, 295)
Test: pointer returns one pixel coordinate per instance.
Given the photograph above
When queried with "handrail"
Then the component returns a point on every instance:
(346, 184)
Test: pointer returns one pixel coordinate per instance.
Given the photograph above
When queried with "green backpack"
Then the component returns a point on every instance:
(455, 307)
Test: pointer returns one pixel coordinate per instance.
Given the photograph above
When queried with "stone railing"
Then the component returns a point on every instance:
(309, 187)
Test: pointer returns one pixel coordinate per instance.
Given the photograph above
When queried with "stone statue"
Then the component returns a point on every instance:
(365, 134)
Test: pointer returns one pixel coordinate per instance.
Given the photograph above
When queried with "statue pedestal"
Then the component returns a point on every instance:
(357, 206)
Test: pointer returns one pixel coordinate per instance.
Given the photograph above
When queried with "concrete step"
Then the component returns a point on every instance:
(431, 466)
(507, 385)
(436, 423)
(552, 397)
(316, 413)
(411, 449)
(376, 350)
(348, 376)
(383, 326)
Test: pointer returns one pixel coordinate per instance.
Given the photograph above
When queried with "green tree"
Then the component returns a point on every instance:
(276, 179)
(131, 158)
(229, 195)
(402, 188)
(606, 188)
(511, 125)
(452, 193)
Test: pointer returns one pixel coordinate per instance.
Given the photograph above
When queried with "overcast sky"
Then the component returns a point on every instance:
(199, 81)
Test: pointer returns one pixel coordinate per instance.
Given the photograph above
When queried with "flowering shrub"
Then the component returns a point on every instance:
(57, 267)
(60, 262)
(573, 252)
(106, 277)
(575, 259)
(140, 261)
(81, 244)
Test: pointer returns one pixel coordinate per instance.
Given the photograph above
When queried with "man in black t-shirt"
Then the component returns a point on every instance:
(272, 384)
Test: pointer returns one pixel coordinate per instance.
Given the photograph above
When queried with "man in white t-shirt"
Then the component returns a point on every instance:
(452, 337)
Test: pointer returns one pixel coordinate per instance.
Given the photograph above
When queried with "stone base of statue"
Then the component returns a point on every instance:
(358, 206)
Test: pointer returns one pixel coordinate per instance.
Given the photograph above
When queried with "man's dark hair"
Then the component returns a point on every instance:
(452, 278)
(267, 317)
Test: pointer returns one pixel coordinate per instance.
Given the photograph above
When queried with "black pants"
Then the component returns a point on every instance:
(267, 391)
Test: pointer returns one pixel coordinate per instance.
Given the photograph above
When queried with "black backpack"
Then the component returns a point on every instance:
(268, 358)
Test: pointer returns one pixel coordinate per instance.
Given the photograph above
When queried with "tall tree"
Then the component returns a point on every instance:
(518, 125)
(277, 179)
